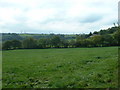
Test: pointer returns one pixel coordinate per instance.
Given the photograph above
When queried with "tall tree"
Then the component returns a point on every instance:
(16, 44)
(7, 45)
(97, 40)
(64, 43)
(117, 36)
(56, 41)
(42, 43)
(30, 43)
(90, 34)
(108, 40)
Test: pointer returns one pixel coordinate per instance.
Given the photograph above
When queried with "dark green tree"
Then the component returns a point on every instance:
(108, 40)
(7, 45)
(16, 44)
(42, 43)
(97, 40)
(116, 36)
(96, 32)
(90, 34)
(72, 43)
(64, 43)
(79, 40)
(30, 43)
(55, 41)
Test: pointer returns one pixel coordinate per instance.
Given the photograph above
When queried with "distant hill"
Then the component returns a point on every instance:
(107, 31)
(11, 36)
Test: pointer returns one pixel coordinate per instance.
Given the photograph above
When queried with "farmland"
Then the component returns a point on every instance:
(60, 68)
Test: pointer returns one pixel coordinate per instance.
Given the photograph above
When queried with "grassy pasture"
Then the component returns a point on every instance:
(60, 68)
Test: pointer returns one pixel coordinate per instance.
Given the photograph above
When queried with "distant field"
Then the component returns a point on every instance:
(13, 36)
(61, 68)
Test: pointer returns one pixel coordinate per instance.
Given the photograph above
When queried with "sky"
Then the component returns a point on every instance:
(57, 16)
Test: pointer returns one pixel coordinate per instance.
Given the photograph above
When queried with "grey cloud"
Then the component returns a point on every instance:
(91, 18)
(14, 27)
(110, 22)
(20, 18)
(84, 23)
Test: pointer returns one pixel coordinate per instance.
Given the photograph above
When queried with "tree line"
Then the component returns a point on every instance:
(96, 39)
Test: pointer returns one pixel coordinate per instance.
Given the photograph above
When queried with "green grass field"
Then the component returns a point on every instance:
(61, 68)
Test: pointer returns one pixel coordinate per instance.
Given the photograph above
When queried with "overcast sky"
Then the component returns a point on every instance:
(57, 16)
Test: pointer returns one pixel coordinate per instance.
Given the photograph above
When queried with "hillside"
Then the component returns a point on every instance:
(11, 36)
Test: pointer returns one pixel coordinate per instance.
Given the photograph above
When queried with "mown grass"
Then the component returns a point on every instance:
(61, 68)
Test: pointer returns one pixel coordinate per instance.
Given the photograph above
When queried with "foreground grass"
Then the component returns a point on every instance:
(60, 68)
